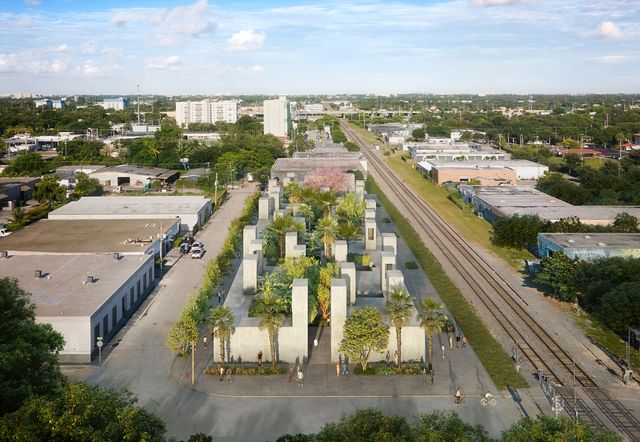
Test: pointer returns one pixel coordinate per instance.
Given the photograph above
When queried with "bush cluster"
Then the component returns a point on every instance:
(250, 370)
(382, 368)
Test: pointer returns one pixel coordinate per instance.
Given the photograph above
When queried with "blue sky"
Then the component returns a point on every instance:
(295, 47)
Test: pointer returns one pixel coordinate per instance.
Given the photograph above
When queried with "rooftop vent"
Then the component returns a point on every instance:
(601, 244)
(89, 280)
(37, 274)
(4, 254)
(116, 256)
(571, 241)
(587, 237)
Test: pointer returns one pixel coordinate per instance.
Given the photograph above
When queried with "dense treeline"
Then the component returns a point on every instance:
(608, 288)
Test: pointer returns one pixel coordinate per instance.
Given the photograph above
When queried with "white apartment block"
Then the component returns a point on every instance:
(277, 117)
(206, 111)
(115, 103)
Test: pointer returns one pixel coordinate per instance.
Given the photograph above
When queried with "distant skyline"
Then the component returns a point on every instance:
(294, 47)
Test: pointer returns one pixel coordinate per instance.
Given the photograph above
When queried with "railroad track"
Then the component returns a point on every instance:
(505, 304)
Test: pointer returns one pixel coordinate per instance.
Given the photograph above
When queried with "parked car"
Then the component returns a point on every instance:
(5, 232)
(184, 248)
(197, 253)
(197, 245)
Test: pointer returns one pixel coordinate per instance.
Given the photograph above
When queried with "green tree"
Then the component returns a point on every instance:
(82, 412)
(222, 325)
(26, 164)
(447, 426)
(545, 428)
(626, 223)
(364, 332)
(271, 309)
(432, 320)
(398, 308)
(619, 308)
(367, 424)
(151, 149)
(517, 231)
(86, 186)
(557, 273)
(48, 191)
(183, 335)
(419, 133)
(326, 273)
(18, 217)
(327, 228)
(28, 351)
(276, 231)
(327, 199)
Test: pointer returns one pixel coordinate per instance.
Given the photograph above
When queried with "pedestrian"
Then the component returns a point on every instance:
(387, 357)
(458, 341)
(431, 375)
(290, 376)
(442, 348)
(260, 358)
(450, 343)
(221, 370)
(395, 357)
(229, 373)
(424, 374)
(315, 342)
(345, 368)
(337, 369)
(205, 342)
(299, 377)
(219, 297)
(464, 341)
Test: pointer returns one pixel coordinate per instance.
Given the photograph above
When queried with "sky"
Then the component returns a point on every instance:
(175, 47)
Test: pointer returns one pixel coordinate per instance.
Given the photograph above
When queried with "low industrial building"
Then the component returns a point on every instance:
(449, 151)
(16, 191)
(494, 202)
(193, 211)
(589, 246)
(497, 171)
(86, 278)
(296, 169)
(134, 176)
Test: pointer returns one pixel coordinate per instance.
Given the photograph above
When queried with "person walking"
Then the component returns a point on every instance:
(431, 375)
(204, 339)
(221, 370)
(395, 357)
(464, 341)
(300, 377)
(451, 343)
(424, 374)
(345, 368)
(337, 369)
(229, 373)
(260, 358)
(458, 341)
(290, 375)
(442, 348)
(219, 297)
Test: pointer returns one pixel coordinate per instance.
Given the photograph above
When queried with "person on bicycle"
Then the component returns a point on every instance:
(488, 396)
(458, 398)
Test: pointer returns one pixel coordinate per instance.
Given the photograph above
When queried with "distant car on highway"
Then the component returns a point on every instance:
(197, 253)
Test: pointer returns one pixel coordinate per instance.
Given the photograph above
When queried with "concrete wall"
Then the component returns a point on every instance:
(486, 176)
(338, 315)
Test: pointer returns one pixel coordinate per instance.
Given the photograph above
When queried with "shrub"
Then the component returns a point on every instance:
(385, 220)
(384, 369)
(359, 259)
(250, 369)
(412, 265)
(177, 242)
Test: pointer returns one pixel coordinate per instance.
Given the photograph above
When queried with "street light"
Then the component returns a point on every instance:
(99, 344)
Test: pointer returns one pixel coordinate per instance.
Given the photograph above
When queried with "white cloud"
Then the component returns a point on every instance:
(62, 48)
(608, 29)
(58, 66)
(257, 68)
(30, 63)
(163, 63)
(495, 2)
(246, 40)
(88, 69)
(610, 58)
(32, 3)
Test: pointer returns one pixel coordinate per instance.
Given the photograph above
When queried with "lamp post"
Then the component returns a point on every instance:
(99, 344)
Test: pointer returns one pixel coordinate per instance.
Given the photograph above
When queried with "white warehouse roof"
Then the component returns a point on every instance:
(131, 205)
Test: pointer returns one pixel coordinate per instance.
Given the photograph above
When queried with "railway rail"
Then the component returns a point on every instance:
(544, 353)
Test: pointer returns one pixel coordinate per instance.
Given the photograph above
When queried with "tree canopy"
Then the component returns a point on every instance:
(364, 332)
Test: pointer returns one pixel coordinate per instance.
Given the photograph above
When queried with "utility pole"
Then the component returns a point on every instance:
(138, 105)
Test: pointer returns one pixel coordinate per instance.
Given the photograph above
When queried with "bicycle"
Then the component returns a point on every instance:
(488, 401)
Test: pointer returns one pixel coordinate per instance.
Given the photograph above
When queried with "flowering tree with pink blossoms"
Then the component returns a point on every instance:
(331, 177)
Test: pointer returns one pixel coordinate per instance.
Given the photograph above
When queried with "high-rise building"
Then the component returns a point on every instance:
(277, 117)
(116, 103)
(206, 111)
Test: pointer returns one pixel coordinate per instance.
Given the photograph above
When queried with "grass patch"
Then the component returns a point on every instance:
(605, 337)
(384, 369)
(495, 360)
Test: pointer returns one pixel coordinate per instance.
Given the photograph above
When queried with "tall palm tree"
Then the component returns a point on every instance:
(432, 320)
(18, 216)
(271, 309)
(398, 308)
(293, 191)
(152, 149)
(327, 200)
(221, 323)
(306, 211)
(277, 231)
(349, 209)
(327, 229)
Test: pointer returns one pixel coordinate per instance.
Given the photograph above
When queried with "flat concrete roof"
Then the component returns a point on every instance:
(595, 240)
(483, 164)
(587, 214)
(61, 291)
(284, 165)
(87, 236)
(139, 205)
(516, 197)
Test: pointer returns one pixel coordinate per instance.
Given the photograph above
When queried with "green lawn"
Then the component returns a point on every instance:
(495, 360)
(471, 227)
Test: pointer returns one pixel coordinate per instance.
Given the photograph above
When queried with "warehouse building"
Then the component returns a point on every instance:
(133, 176)
(523, 169)
(589, 246)
(193, 211)
(86, 278)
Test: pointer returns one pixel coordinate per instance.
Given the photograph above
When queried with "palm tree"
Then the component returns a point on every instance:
(271, 309)
(348, 230)
(327, 200)
(293, 192)
(152, 149)
(18, 216)
(306, 211)
(432, 320)
(349, 209)
(398, 308)
(327, 229)
(277, 230)
(222, 323)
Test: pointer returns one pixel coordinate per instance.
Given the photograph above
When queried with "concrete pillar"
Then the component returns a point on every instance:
(300, 318)
(370, 204)
(255, 247)
(370, 214)
(264, 207)
(348, 272)
(370, 235)
(395, 280)
(390, 242)
(360, 190)
(387, 262)
(290, 241)
(301, 220)
(249, 233)
(338, 314)
(299, 250)
(279, 213)
(273, 185)
(250, 274)
(352, 182)
(274, 197)
(294, 208)
(340, 250)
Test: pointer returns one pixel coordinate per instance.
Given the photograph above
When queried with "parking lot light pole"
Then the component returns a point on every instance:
(99, 344)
